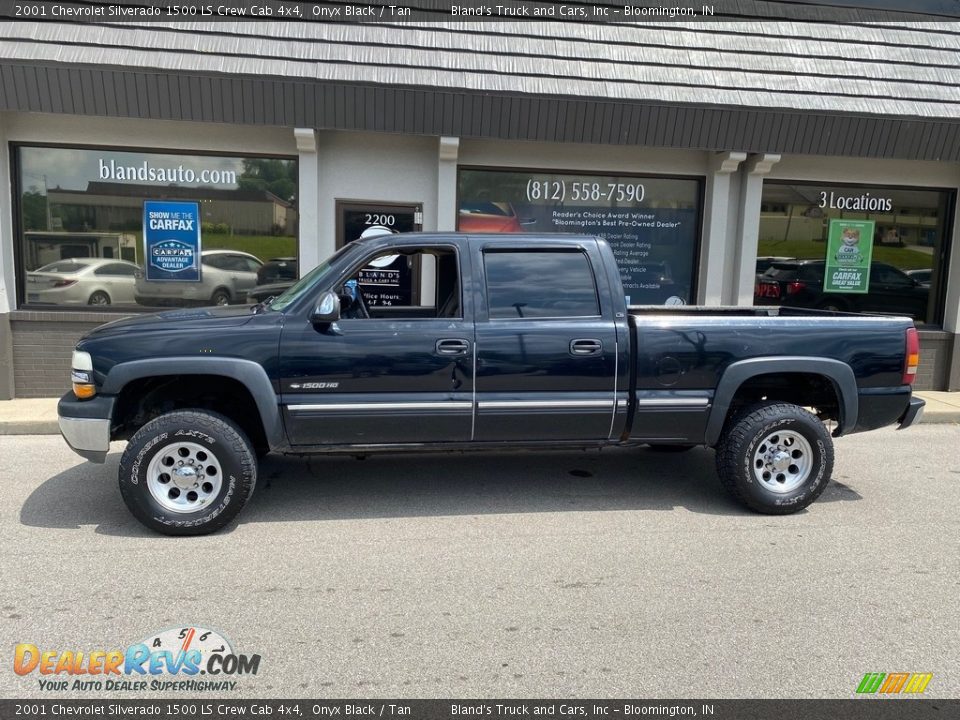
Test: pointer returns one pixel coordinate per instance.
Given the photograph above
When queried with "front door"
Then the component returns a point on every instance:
(396, 374)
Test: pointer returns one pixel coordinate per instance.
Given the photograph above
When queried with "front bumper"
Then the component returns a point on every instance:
(912, 414)
(85, 425)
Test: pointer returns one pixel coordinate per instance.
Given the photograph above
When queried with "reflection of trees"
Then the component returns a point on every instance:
(493, 186)
(34, 209)
(275, 176)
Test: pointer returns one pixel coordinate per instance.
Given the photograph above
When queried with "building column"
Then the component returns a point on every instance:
(448, 152)
(718, 226)
(8, 300)
(748, 228)
(951, 307)
(308, 194)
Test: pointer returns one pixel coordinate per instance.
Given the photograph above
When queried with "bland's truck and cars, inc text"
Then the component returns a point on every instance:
(510, 342)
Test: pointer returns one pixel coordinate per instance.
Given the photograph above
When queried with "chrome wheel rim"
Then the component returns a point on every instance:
(783, 461)
(221, 300)
(99, 299)
(184, 477)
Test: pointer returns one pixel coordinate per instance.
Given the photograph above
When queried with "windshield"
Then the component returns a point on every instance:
(303, 284)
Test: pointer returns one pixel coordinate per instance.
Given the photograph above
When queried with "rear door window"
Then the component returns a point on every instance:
(540, 284)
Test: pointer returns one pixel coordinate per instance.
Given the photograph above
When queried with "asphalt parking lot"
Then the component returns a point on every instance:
(614, 574)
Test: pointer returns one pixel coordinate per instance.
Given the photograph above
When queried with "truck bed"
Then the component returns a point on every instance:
(738, 311)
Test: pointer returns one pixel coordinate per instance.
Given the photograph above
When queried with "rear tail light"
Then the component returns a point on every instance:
(64, 283)
(766, 290)
(912, 360)
(795, 287)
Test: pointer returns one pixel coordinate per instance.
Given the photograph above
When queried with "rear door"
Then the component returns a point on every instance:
(546, 342)
(118, 278)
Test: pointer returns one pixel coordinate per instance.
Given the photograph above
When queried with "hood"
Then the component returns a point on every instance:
(180, 319)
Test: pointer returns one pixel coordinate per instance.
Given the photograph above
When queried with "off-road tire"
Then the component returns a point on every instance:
(233, 452)
(741, 441)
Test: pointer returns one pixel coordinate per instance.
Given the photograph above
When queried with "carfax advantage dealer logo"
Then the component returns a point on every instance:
(894, 683)
(170, 660)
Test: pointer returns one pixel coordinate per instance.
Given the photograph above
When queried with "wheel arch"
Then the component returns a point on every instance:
(838, 374)
(246, 373)
(226, 289)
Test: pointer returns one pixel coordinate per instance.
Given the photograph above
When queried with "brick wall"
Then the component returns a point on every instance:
(936, 347)
(43, 344)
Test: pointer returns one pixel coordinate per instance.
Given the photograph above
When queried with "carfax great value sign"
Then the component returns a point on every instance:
(171, 237)
(849, 252)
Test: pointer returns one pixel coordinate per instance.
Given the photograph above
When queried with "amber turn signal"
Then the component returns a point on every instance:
(84, 390)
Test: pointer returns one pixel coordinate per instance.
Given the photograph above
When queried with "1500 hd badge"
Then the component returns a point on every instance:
(313, 386)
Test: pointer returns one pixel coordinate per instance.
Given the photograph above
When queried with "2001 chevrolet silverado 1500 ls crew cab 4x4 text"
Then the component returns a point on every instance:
(509, 342)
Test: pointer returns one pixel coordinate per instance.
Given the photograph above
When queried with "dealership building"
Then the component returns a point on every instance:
(726, 161)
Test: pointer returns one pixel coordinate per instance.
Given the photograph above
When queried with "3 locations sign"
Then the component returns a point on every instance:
(171, 237)
(651, 223)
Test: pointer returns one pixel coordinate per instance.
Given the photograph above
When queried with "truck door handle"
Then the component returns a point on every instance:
(452, 346)
(585, 346)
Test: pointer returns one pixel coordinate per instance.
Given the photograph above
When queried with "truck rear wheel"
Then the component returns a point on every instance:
(775, 458)
(188, 472)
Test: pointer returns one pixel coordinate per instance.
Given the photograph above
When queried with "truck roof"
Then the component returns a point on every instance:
(467, 237)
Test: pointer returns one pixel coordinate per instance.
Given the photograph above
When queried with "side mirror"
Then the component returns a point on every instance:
(327, 310)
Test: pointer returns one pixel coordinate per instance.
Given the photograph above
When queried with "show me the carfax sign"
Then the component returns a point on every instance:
(171, 237)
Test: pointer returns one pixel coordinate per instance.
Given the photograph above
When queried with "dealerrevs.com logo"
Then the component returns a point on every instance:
(190, 659)
(894, 683)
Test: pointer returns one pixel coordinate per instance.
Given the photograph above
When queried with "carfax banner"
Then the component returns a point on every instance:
(849, 252)
(171, 238)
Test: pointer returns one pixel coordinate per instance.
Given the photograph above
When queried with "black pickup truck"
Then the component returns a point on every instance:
(502, 342)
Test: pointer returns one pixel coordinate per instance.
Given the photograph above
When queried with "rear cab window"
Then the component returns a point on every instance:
(540, 284)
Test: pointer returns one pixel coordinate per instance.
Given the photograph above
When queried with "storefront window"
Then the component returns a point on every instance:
(853, 248)
(651, 223)
(135, 230)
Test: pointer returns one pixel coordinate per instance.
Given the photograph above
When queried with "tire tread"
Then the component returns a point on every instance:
(215, 424)
(739, 430)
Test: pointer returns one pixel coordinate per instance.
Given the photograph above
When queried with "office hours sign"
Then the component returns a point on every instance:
(389, 280)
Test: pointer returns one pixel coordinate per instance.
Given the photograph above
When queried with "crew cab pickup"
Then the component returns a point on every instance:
(467, 342)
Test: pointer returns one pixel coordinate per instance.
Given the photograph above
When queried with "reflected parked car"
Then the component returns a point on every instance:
(263, 292)
(924, 276)
(799, 283)
(83, 281)
(765, 262)
(225, 277)
(276, 270)
(488, 217)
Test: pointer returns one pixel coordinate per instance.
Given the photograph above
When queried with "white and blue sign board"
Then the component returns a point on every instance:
(171, 236)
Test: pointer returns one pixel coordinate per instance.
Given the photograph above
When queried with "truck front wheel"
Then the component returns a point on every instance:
(188, 472)
(775, 458)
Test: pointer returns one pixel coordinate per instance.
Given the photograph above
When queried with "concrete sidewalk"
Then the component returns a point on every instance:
(38, 416)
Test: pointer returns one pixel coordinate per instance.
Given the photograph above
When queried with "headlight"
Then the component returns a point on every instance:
(82, 361)
(82, 375)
